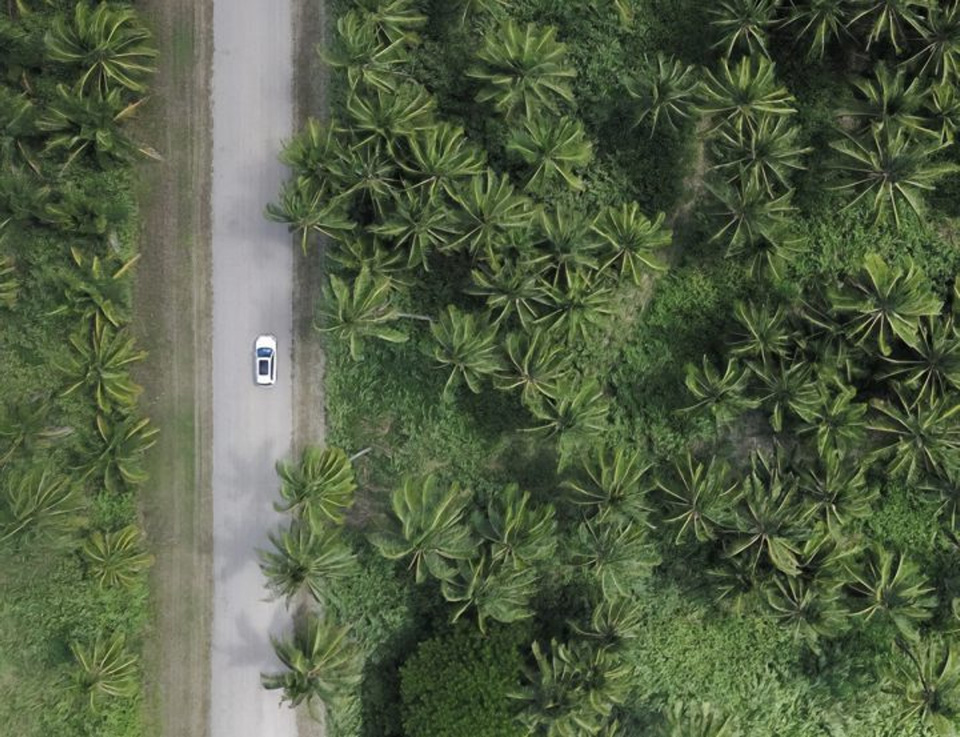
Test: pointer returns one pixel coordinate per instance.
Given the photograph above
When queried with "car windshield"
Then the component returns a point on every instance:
(264, 352)
(263, 367)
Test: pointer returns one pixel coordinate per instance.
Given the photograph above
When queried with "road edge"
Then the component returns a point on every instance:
(173, 314)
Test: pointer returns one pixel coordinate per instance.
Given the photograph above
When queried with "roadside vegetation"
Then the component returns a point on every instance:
(641, 318)
(72, 554)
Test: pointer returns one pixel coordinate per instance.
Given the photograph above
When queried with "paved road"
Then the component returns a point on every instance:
(252, 287)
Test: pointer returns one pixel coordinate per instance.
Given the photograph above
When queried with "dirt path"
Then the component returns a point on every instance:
(172, 322)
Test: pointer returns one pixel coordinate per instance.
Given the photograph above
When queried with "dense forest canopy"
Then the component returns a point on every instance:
(645, 311)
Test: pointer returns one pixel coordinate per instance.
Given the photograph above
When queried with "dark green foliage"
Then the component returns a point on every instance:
(458, 683)
(746, 515)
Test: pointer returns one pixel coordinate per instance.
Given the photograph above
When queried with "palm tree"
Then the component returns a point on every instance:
(39, 502)
(613, 623)
(535, 364)
(835, 491)
(888, 585)
(522, 68)
(577, 406)
(743, 25)
(567, 241)
(572, 689)
(616, 553)
(768, 154)
(885, 302)
(940, 49)
(420, 222)
(491, 213)
(105, 669)
(767, 521)
(24, 427)
(896, 20)
(837, 421)
(109, 44)
(393, 20)
(466, 344)
(386, 117)
(891, 168)
(24, 199)
(96, 293)
(312, 150)
(553, 148)
(80, 124)
(512, 289)
(943, 108)
(468, 8)
(785, 385)
(575, 308)
(887, 102)
(116, 559)
(742, 94)
(427, 528)
(116, 460)
(749, 213)
(496, 591)
(698, 497)
(819, 22)
(101, 362)
(366, 250)
(927, 680)
(306, 558)
(919, 437)
(696, 720)
(723, 395)
(932, 367)
(518, 532)
(305, 207)
(632, 240)
(811, 610)
(9, 284)
(319, 489)
(612, 483)
(366, 177)
(77, 211)
(737, 586)
(359, 310)
(667, 92)
(764, 332)
(440, 157)
(18, 123)
(321, 662)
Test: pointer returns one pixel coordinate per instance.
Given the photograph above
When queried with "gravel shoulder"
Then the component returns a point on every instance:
(172, 321)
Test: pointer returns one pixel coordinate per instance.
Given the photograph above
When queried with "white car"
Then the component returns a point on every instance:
(265, 360)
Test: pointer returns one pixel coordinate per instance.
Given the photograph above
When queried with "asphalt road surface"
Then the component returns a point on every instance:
(252, 288)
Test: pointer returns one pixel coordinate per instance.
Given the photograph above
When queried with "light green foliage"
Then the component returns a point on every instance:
(319, 489)
(109, 44)
(321, 663)
(523, 69)
(363, 309)
(116, 558)
(467, 347)
(306, 558)
(428, 528)
(105, 669)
